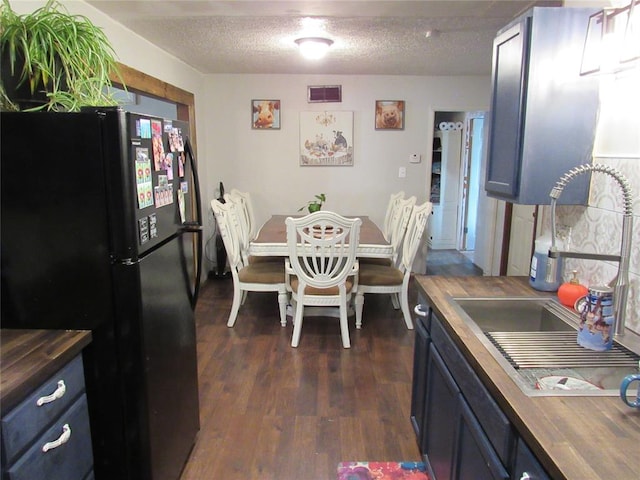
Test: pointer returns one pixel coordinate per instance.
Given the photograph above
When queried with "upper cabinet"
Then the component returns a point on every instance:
(543, 113)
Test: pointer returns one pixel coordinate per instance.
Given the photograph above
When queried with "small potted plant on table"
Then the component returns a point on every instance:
(316, 204)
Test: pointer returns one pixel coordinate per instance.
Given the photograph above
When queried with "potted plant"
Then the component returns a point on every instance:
(53, 60)
(314, 205)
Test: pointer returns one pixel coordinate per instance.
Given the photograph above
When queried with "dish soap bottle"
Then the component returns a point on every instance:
(538, 272)
(569, 292)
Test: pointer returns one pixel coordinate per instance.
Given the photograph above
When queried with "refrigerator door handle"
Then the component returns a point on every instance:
(195, 226)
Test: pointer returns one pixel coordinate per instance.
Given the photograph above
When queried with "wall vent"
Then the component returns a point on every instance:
(324, 93)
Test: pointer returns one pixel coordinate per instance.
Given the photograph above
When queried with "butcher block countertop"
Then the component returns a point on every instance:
(573, 437)
(29, 357)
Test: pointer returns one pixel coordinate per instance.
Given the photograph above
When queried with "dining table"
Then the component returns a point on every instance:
(272, 239)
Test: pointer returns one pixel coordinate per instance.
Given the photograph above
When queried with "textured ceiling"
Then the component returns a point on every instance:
(370, 37)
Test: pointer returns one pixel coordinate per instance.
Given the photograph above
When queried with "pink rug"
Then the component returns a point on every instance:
(382, 471)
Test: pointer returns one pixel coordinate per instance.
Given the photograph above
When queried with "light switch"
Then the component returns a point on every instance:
(402, 172)
(414, 158)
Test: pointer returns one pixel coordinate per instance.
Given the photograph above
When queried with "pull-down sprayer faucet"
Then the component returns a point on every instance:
(620, 282)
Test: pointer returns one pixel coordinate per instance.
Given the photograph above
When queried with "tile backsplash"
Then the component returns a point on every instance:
(597, 227)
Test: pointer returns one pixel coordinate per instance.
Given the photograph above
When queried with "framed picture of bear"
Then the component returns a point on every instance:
(265, 114)
(389, 115)
(326, 139)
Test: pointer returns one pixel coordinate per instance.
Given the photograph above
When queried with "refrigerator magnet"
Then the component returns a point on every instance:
(143, 128)
(143, 230)
(181, 207)
(153, 226)
(176, 143)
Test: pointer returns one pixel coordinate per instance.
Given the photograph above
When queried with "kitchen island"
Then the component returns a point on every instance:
(572, 437)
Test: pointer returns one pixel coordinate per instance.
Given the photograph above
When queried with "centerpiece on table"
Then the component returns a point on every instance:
(314, 205)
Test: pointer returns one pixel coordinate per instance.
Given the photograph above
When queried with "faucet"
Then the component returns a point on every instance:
(620, 282)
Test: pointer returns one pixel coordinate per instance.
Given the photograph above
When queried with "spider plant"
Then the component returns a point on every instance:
(63, 60)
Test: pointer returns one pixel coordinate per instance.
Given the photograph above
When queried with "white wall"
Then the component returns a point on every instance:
(266, 162)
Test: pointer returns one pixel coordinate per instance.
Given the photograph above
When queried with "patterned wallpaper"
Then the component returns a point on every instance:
(598, 226)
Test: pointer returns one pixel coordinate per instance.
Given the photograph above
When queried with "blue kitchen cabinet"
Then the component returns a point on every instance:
(464, 434)
(442, 413)
(47, 434)
(419, 385)
(543, 113)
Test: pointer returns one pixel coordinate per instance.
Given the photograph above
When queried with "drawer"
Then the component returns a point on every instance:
(493, 421)
(72, 460)
(28, 420)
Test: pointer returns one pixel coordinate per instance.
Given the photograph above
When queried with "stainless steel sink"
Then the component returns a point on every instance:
(534, 340)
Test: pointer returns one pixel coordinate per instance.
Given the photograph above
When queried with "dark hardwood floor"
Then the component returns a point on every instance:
(450, 263)
(270, 411)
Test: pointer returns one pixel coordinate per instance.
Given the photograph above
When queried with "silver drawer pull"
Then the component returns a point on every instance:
(64, 438)
(419, 311)
(62, 388)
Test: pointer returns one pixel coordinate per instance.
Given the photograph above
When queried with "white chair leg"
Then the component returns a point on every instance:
(297, 324)
(394, 301)
(344, 326)
(282, 302)
(406, 313)
(359, 301)
(235, 306)
(244, 297)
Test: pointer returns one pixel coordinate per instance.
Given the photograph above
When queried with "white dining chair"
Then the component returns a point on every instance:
(259, 277)
(244, 200)
(374, 278)
(249, 230)
(391, 207)
(322, 269)
(398, 226)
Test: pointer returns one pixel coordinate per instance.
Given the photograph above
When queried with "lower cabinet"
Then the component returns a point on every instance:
(47, 435)
(419, 385)
(461, 431)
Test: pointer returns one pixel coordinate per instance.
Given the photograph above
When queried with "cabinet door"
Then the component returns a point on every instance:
(419, 385)
(527, 466)
(506, 116)
(475, 458)
(442, 414)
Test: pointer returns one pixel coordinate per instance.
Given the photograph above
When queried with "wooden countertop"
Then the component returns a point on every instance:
(29, 357)
(573, 437)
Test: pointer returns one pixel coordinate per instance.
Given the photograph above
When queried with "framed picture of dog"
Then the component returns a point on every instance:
(265, 114)
(389, 114)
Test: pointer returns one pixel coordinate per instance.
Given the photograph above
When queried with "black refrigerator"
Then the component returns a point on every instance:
(101, 230)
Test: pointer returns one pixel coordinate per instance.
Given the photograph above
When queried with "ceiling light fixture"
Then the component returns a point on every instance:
(314, 48)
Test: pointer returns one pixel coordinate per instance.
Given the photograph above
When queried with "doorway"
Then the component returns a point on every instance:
(457, 227)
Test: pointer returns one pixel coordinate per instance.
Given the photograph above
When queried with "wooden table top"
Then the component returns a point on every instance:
(272, 239)
(29, 357)
(573, 437)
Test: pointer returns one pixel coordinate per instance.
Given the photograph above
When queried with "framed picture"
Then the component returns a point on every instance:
(265, 114)
(389, 114)
(326, 138)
